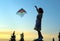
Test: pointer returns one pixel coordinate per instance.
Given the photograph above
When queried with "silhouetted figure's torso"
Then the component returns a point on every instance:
(59, 36)
(13, 37)
(22, 37)
(53, 39)
(38, 19)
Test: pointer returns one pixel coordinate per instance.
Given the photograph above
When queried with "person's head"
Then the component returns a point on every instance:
(22, 35)
(14, 33)
(40, 10)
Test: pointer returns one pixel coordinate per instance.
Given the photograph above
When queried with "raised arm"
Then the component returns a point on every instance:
(36, 8)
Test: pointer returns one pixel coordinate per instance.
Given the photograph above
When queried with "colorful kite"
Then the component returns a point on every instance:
(21, 12)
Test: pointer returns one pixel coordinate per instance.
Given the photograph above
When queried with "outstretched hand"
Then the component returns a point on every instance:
(35, 6)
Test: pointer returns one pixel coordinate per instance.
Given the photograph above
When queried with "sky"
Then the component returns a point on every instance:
(10, 21)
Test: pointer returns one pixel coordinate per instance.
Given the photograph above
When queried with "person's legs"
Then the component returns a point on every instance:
(39, 34)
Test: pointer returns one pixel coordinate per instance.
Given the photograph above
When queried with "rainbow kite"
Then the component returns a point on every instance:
(21, 12)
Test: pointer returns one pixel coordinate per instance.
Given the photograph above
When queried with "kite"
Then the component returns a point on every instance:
(21, 12)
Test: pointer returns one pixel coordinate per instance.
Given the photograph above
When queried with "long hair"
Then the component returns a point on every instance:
(40, 10)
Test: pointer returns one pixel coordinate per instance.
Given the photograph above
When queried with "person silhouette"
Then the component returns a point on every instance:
(53, 39)
(38, 22)
(22, 37)
(59, 36)
(13, 37)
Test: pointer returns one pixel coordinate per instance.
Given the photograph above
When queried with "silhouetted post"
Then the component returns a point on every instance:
(13, 37)
(38, 23)
(22, 37)
(53, 39)
(59, 36)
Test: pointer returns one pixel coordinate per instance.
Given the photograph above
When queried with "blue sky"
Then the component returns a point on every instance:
(9, 20)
